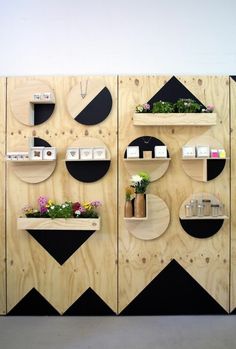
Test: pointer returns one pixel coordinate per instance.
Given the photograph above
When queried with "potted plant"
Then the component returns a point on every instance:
(140, 182)
(129, 196)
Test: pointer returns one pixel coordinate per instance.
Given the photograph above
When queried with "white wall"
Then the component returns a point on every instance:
(117, 37)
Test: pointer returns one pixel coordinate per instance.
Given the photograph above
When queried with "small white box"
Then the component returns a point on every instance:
(13, 155)
(203, 151)
(99, 153)
(160, 151)
(132, 152)
(36, 153)
(188, 152)
(49, 153)
(86, 153)
(72, 154)
(46, 96)
(36, 96)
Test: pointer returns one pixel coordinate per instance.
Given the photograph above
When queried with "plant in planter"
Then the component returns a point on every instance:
(184, 105)
(49, 209)
(140, 183)
(129, 196)
(143, 108)
(162, 107)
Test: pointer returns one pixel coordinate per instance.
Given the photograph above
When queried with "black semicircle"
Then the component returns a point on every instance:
(88, 171)
(151, 142)
(97, 110)
(201, 228)
(214, 168)
(39, 142)
(42, 112)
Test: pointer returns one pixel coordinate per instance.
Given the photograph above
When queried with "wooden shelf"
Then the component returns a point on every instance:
(204, 217)
(81, 160)
(205, 158)
(58, 223)
(174, 119)
(146, 159)
(29, 161)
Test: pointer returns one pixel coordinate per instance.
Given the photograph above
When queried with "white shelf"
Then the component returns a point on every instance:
(204, 217)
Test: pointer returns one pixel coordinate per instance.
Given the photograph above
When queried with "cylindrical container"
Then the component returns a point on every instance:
(207, 207)
(194, 204)
(200, 210)
(139, 206)
(221, 209)
(215, 210)
(188, 210)
(128, 209)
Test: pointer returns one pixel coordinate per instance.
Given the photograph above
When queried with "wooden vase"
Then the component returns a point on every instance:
(139, 205)
(128, 209)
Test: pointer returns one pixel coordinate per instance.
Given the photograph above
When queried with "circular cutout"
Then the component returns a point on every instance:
(32, 103)
(89, 102)
(88, 171)
(203, 169)
(156, 222)
(201, 227)
(156, 167)
(34, 171)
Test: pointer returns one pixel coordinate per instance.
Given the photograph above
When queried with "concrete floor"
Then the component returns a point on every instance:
(166, 332)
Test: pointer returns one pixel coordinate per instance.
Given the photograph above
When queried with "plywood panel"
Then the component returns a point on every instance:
(94, 264)
(206, 260)
(233, 194)
(2, 195)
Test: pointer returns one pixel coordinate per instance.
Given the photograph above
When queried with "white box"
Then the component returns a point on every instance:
(188, 151)
(160, 151)
(203, 151)
(132, 152)
(36, 153)
(46, 96)
(49, 153)
(72, 154)
(99, 153)
(86, 153)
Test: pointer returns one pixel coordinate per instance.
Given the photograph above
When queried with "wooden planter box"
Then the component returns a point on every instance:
(174, 119)
(58, 223)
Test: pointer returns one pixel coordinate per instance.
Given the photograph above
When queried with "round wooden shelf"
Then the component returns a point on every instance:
(201, 227)
(156, 222)
(33, 171)
(204, 169)
(155, 167)
(28, 111)
(89, 102)
(88, 171)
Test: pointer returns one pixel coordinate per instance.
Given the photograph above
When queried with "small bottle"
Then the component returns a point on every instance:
(194, 204)
(188, 210)
(207, 207)
(221, 209)
(200, 210)
(215, 210)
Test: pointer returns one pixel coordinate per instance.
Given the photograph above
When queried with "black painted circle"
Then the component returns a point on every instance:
(214, 168)
(97, 110)
(42, 112)
(88, 171)
(151, 142)
(201, 228)
(39, 142)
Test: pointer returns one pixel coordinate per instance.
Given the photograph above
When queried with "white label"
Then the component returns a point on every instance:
(188, 152)
(160, 151)
(133, 152)
(203, 151)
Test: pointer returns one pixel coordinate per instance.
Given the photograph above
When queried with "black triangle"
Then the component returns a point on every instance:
(233, 312)
(61, 244)
(173, 292)
(33, 304)
(89, 304)
(233, 77)
(97, 110)
(172, 91)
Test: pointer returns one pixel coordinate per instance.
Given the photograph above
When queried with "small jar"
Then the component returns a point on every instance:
(200, 210)
(207, 207)
(188, 210)
(194, 204)
(221, 209)
(215, 210)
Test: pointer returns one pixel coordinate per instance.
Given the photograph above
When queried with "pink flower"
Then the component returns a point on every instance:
(42, 201)
(96, 203)
(43, 209)
(146, 106)
(210, 108)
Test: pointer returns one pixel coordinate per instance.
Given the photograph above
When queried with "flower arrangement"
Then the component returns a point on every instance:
(183, 105)
(140, 182)
(129, 193)
(50, 209)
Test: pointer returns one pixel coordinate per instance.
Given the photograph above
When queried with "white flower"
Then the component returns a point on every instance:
(135, 179)
(63, 206)
(77, 212)
(52, 207)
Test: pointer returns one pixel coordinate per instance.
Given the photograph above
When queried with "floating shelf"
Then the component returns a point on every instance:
(146, 159)
(205, 158)
(83, 160)
(27, 162)
(58, 223)
(154, 224)
(194, 218)
(174, 119)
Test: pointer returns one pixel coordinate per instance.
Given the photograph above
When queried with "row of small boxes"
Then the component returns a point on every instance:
(96, 153)
(202, 151)
(35, 153)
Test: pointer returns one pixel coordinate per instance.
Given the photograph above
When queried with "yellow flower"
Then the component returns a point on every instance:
(87, 206)
(49, 203)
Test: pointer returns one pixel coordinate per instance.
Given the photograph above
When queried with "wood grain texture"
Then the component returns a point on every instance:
(58, 223)
(155, 167)
(32, 171)
(206, 261)
(94, 264)
(233, 195)
(174, 119)
(2, 196)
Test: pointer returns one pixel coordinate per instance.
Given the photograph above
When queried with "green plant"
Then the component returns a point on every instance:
(129, 193)
(162, 107)
(140, 182)
(184, 105)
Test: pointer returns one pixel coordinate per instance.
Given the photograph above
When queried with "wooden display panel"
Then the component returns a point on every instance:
(93, 265)
(141, 261)
(233, 194)
(2, 196)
